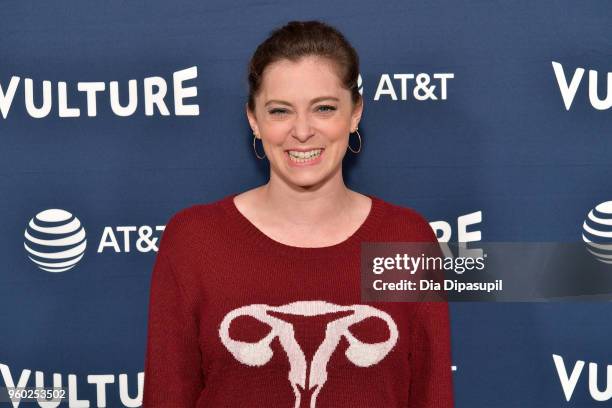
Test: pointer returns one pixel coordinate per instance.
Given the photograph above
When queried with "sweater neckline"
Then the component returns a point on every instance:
(256, 236)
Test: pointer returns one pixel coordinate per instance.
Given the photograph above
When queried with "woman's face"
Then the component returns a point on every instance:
(303, 116)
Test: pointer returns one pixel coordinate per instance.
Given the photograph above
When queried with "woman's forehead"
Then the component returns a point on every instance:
(306, 76)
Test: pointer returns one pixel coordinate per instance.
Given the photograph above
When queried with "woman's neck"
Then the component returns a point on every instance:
(307, 206)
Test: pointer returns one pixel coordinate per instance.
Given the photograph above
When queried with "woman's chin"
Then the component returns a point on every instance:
(306, 182)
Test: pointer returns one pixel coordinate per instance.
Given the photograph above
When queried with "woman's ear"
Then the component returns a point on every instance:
(252, 120)
(356, 115)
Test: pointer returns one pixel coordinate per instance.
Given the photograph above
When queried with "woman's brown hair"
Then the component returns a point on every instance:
(299, 39)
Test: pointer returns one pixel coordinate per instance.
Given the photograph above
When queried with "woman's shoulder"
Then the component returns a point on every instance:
(407, 219)
(196, 219)
(200, 211)
(404, 212)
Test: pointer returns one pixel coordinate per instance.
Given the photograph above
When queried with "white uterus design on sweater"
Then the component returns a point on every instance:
(259, 353)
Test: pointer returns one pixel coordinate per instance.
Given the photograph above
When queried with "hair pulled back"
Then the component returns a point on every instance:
(298, 39)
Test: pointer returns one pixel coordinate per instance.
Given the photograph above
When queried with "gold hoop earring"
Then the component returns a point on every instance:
(358, 150)
(255, 149)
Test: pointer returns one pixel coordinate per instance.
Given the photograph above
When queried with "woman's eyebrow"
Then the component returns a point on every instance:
(315, 100)
(323, 98)
(277, 102)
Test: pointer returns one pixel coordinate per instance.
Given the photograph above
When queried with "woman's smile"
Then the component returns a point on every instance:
(301, 157)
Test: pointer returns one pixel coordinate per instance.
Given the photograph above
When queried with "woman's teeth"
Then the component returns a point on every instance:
(302, 157)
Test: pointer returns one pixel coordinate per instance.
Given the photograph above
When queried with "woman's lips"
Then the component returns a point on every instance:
(300, 158)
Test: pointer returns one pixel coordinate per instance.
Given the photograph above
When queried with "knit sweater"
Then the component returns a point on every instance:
(238, 319)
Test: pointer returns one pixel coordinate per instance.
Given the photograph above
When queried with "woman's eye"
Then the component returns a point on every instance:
(277, 111)
(326, 108)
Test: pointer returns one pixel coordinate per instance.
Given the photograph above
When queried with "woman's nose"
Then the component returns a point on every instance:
(302, 128)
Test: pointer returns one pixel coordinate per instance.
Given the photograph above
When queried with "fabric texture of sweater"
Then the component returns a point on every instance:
(237, 319)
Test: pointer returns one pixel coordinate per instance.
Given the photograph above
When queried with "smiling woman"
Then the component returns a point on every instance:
(303, 114)
(255, 298)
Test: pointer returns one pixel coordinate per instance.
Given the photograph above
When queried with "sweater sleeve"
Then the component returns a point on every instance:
(173, 375)
(431, 377)
(431, 384)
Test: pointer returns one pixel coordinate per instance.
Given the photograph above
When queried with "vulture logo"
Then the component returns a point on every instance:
(259, 353)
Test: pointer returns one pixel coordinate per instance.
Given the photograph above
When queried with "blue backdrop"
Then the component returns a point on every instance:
(487, 117)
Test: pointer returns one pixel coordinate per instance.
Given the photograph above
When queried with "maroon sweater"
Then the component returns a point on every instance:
(237, 319)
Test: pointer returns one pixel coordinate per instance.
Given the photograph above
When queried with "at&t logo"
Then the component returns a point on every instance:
(597, 232)
(55, 240)
(420, 87)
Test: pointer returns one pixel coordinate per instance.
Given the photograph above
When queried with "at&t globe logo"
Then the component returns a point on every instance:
(55, 240)
(597, 232)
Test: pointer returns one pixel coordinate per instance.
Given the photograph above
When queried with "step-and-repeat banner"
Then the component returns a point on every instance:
(492, 119)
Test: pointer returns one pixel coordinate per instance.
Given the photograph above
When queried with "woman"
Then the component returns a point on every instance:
(255, 298)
